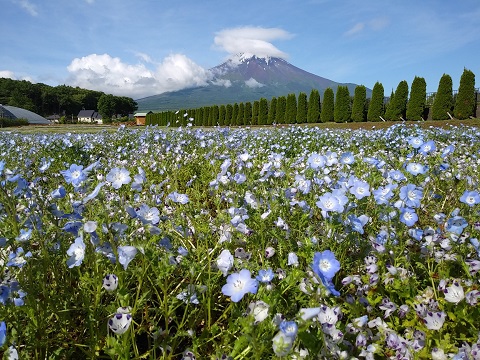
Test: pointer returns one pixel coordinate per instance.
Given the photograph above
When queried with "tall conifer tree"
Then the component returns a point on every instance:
(291, 109)
(247, 116)
(262, 111)
(465, 104)
(313, 112)
(443, 102)
(342, 111)
(281, 106)
(359, 104)
(328, 105)
(376, 108)
(302, 108)
(418, 95)
(272, 111)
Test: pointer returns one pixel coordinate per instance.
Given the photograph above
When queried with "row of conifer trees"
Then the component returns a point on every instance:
(338, 107)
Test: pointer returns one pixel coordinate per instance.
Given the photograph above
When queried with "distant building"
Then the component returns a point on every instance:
(89, 116)
(141, 117)
(13, 113)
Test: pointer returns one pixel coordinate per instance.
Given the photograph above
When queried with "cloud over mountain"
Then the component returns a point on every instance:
(251, 40)
(112, 75)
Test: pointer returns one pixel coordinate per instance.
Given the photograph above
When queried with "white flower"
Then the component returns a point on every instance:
(309, 313)
(225, 262)
(454, 293)
(110, 282)
(434, 320)
(259, 310)
(120, 323)
(282, 344)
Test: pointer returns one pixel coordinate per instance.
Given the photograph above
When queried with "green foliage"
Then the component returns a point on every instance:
(359, 107)
(247, 116)
(418, 95)
(443, 102)
(272, 111)
(106, 106)
(314, 106)
(342, 112)
(327, 113)
(228, 114)
(263, 112)
(234, 114)
(256, 105)
(241, 114)
(281, 107)
(213, 116)
(465, 104)
(5, 122)
(397, 107)
(47, 100)
(376, 108)
(291, 109)
(302, 108)
(390, 107)
(221, 115)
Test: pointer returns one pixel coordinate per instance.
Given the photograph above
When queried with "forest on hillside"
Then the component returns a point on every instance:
(62, 100)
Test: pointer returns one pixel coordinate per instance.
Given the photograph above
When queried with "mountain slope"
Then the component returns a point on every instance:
(240, 79)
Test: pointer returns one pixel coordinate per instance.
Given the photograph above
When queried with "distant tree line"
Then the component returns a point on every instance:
(339, 106)
(65, 100)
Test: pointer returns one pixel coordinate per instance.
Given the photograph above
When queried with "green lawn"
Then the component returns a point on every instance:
(84, 128)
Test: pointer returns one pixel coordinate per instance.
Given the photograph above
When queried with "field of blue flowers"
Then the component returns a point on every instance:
(294, 243)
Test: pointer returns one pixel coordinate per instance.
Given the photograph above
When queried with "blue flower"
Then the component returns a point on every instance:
(316, 161)
(427, 147)
(239, 284)
(126, 254)
(456, 224)
(74, 175)
(383, 194)
(347, 158)
(416, 169)
(3, 333)
(265, 276)
(24, 235)
(415, 142)
(360, 189)
(289, 328)
(76, 253)
(396, 175)
(408, 216)
(17, 258)
(325, 264)
(178, 198)
(470, 198)
(94, 193)
(357, 223)
(58, 193)
(118, 177)
(329, 203)
(148, 215)
(411, 195)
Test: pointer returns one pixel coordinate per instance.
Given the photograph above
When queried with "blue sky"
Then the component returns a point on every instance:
(139, 48)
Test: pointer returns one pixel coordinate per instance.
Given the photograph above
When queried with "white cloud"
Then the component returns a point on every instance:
(358, 27)
(251, 40)
(11, 75)
(379, 23)
(375, 24)
(252, 83)
(7, 74)
(28, 6)
(111, 75)
(222, 82)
